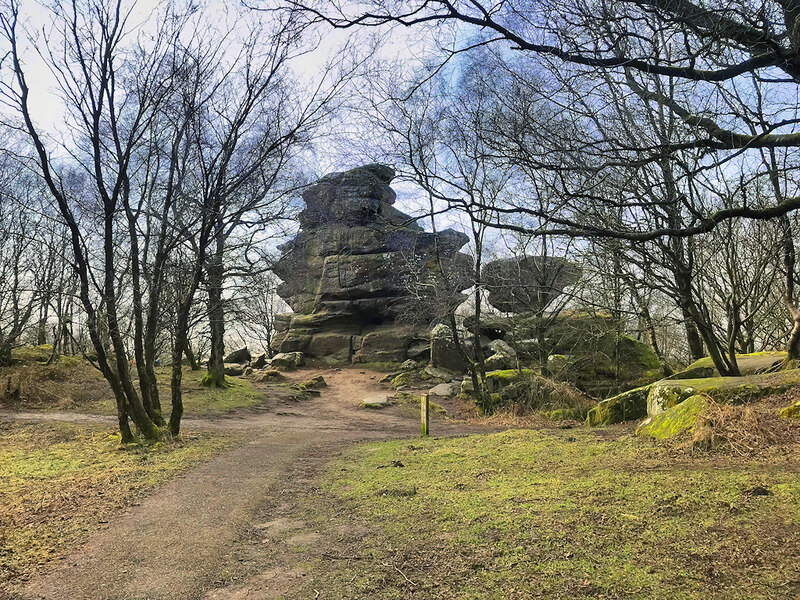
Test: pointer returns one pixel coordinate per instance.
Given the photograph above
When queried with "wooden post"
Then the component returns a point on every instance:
(424, 405)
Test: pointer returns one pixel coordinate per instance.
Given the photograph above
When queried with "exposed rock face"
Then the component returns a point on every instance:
(527, 283)
(362, 278)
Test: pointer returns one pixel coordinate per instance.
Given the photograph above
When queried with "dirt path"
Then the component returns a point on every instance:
(182, 542)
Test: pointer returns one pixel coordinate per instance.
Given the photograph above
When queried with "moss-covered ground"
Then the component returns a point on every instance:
(557, 514)
(59, 482)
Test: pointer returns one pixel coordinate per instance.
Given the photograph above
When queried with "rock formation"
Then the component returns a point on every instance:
(364, 280)
(528, 283)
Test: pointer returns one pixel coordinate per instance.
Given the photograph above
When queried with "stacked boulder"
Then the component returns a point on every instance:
(363, 279)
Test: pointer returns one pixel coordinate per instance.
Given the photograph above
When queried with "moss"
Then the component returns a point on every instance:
(403, 379)
(740, 390)
(313, 384)
(551, 514)
(628, 406)
(674, 420)
(496, 380)
(748, 363)
(30, 354)
(663, 396)
(567, 414)
(790, 412)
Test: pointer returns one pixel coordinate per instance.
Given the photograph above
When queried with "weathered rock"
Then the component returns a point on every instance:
(694, 373)
(259, 361)
(268, 375)
(503, 356)
(359, 269)
(338, 347)
(443, 389)
(403, 380)
(288, 360)
(674, 420)
(234, 369)
(497, 380)
(558, 363)
(385, 344)
(527, 283)
(409, 365)
(628, 406)
(663, 396)
(240, 357)
(467, 387)
(443, 349)
(377, 401)
(431, 373)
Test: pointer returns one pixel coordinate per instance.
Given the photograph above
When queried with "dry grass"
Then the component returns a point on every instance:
(67, 383)
(744, 430)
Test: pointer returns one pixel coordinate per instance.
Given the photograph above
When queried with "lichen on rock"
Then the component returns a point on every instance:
(674, 420)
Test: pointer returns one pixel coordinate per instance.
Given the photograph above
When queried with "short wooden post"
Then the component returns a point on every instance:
(424, 405)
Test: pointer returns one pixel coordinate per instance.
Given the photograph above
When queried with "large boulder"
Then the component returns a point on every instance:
(443, 349)
(628, 406)
(527, 283)
(502, 356)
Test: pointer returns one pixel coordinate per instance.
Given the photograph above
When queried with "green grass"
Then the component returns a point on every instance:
(202, 400)
(558, 514)
(59, 482)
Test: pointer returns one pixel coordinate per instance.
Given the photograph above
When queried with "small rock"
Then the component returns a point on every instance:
(233, 369)
(241, 356)
(443, 389)
(259, 361)
(377, 401)
(288, 360)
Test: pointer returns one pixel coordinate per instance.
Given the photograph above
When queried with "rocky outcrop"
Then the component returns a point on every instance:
(528, 283)
(364, 280)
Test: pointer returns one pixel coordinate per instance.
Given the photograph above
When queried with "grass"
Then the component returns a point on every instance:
(558, 514)
(59, 482)
(202, 400)
(71, 383)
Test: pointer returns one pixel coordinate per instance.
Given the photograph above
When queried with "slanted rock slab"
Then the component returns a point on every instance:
(675, 420)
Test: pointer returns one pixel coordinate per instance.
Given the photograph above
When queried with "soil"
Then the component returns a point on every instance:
(212, 532)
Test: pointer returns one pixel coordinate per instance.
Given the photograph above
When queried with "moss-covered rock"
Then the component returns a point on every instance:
(497, 380)
(402, 380)
(567, 414)
(790, 412)
(674, 420)
(749, 364)
(628, 406)
(664, 395)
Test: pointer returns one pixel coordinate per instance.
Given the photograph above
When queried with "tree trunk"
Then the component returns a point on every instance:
(216, 313)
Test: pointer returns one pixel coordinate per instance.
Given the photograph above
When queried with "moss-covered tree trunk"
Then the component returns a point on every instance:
(216, 313)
